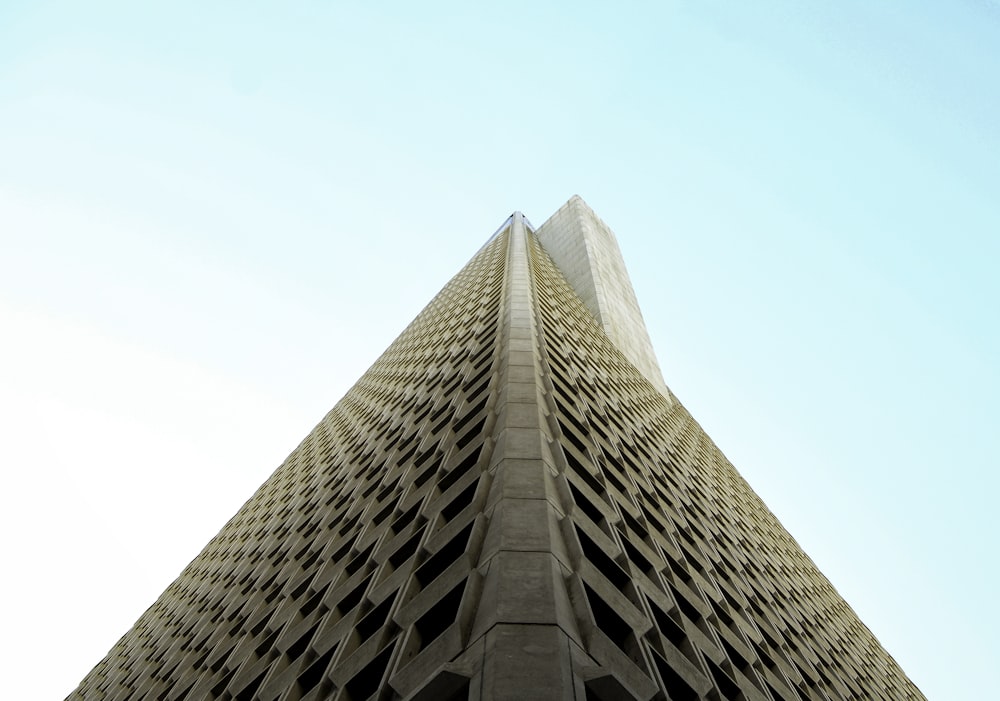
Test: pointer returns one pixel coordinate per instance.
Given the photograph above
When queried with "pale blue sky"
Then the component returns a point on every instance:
(213, 219)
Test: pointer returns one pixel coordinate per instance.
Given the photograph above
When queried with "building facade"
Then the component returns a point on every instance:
(510, 504)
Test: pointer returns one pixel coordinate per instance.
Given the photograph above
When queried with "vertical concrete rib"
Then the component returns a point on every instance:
(524, 614)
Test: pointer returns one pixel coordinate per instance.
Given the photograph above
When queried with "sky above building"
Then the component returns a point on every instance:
(215, 216)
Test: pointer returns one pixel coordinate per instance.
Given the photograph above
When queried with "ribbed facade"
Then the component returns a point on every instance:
(503, 507)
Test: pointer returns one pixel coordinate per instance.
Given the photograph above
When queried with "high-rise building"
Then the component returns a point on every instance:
(510, 504)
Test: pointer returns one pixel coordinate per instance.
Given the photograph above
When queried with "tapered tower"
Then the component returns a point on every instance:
(510, 504)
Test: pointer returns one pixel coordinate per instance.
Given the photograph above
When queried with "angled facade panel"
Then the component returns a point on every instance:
(503, 507)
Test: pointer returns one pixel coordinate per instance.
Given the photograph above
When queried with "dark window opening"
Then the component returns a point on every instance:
(460, 502)
(443, 558)
(374, 619)
(366, 682)
(608, 620)
(604, 564)
(440, 616)
(316, 673)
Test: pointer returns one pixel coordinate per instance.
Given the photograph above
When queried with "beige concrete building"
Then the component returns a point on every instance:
(510, 504)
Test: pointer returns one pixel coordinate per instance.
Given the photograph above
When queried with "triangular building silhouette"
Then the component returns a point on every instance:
(510, 504)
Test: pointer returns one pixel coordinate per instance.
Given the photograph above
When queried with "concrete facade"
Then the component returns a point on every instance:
(503, 507)
(585, 250)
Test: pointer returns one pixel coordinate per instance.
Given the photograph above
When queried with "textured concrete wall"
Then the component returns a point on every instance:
(501, 509)
(587, 253)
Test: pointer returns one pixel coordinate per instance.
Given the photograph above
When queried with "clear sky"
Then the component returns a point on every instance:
(215, 216)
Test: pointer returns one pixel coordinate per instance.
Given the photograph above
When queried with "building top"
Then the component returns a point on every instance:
(584, 248)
